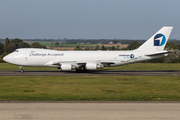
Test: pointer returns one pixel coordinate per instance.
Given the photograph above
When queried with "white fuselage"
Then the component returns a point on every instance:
(47, 58)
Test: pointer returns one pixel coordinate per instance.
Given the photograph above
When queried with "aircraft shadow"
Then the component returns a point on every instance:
(101, 71)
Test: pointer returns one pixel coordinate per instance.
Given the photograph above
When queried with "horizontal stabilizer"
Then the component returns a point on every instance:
(158, 53)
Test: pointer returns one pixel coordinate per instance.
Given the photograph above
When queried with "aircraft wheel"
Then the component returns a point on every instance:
(87, 71)
(21, 70)
(78, 70)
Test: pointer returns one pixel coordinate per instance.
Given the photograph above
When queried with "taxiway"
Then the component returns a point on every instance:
(97, 72)
(89, 111)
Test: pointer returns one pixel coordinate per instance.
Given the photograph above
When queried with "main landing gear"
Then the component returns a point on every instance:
(82, 70)
(21, 70)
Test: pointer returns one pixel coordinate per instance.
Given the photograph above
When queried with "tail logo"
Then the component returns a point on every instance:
(159, 40)
(132, 56)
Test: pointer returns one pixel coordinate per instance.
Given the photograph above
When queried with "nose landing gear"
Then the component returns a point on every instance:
(21, 70)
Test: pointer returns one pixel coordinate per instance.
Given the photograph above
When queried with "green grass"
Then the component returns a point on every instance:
(126, 88)
(147, 66)
(136, 66)
(116, 88)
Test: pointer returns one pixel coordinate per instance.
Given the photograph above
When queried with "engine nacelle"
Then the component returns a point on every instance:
(66, 67)
(93, 66)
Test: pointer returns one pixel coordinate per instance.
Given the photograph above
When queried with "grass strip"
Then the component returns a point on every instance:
(114, 88)
(136, 66)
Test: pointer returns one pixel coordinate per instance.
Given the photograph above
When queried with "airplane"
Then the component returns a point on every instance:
(153, 48)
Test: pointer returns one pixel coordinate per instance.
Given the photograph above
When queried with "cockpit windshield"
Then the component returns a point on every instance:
(16, 50)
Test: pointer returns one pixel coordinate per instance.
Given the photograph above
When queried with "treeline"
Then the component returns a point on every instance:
(102, 41)
(107, 41)
(172, 45)
(98, 47)
(10, 46)
(92, 41)
(133, 45)
(173, 57)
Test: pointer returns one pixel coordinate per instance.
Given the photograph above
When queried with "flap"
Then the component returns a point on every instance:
(96, 61)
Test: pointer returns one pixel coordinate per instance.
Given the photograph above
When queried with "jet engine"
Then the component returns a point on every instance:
(66, 67)
(93, 66)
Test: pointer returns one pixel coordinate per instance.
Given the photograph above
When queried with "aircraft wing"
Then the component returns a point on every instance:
(98, 62)
(58, 62)
(81, 63)
(89, 64)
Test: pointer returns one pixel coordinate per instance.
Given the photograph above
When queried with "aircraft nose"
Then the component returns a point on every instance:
(5, 58)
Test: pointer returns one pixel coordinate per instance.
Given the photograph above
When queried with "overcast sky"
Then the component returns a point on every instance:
(88, 19)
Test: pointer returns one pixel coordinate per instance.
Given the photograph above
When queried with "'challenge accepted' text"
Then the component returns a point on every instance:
(46, 54)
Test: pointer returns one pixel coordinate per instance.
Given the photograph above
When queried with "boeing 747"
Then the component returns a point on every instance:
(153, 48)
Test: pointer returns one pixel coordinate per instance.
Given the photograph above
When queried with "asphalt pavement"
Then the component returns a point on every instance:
(92, 73)
(89, 111)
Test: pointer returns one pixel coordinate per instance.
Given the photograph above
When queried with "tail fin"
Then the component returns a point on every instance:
(158, 41)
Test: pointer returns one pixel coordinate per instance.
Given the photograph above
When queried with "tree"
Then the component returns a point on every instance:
(103, 48)
(113, 48)
(97, 47)
(118, 47)
(115, 41)
(57, 43)
(133, 45)
(172, 46)
(16, 40)
(6, 44)
(173, 57)
(15, 44)
(36, 45)
(23, 45)
(1, 49)
(44, 47)
(78, 48)
(86, 48)
(11, 47)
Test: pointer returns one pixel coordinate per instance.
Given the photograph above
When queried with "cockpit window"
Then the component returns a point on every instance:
(16, 51)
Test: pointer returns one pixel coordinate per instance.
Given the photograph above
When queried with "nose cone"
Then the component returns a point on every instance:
(5, 58)
(8, 58)
(14, 59)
